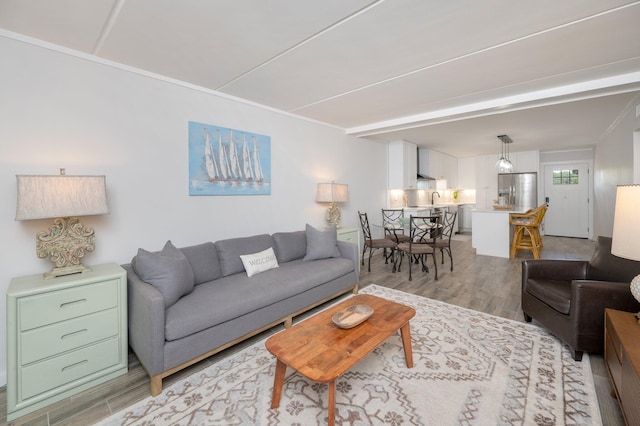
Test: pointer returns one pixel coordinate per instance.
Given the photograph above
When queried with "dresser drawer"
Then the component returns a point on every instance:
(74, 366)
(629, 392)
(612, 361)
(51, 307)
(349, 236)
(612, 336)
(44, 342)
(64, 335)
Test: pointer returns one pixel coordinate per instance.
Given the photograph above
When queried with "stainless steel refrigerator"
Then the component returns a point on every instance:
(518, 189)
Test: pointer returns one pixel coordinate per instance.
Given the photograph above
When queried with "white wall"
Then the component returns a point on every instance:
(569, 155)
(613, 166)
(65, 110)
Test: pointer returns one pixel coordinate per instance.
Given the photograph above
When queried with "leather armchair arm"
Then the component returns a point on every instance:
(551, 269)
(589, 298)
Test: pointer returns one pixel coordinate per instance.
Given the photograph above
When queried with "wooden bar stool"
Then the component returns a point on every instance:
(526, 231)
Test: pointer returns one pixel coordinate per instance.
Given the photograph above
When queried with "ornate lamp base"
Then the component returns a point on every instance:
(65, 243)
(635, 290)
(333, 215)
(66, 270)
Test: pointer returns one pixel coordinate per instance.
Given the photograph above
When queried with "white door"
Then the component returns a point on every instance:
(566, 188)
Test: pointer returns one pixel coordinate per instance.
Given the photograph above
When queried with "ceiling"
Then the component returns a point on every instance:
(450, 75)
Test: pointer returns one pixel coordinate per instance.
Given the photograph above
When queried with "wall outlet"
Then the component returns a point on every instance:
(637, 110)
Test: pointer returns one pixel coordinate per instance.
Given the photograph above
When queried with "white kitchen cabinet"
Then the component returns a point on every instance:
(440, 166)
(467, 173)
(526, 161)
(403, 165)
(435, 165)
(451, 171)
(486, 180)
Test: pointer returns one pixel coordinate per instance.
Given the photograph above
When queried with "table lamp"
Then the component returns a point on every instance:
(333, 193)
(64, 198)
(626, 230)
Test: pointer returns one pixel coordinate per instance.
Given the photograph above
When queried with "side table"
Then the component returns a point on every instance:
(622, 357)
(64, 335)
(350, 235)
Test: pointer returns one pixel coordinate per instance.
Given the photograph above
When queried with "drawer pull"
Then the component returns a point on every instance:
(77, 364)
(64, 336)
(66, 304)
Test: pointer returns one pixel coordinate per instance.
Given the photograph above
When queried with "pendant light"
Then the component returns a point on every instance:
(504, 165)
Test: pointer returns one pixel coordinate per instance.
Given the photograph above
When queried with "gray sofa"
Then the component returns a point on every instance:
(187, 304)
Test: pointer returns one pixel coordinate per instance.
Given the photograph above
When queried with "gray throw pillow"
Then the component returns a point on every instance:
(229, 251)
(168, 271)
(321, 244)
(290, 245)
(203, 259)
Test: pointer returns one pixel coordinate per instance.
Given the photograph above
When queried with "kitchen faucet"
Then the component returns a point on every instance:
(434, 193)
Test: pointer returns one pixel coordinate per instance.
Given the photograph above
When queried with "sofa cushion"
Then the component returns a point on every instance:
(168, 271)
(235, 295)
(259, 262)
(229, 251)
(606, 267)
(204, 262)
(321, 244)
(555, 293)
(290, 245)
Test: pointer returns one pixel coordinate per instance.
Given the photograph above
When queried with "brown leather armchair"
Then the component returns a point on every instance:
(568, 297)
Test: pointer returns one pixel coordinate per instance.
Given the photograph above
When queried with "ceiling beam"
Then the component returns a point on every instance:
(623, 83)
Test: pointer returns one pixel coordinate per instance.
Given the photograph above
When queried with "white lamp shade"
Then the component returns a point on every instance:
(626, 223)
(42, 197)
(332, 193)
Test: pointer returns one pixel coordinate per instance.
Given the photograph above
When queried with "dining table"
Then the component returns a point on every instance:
(403, 225)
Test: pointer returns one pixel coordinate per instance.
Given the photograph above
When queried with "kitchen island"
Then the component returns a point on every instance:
(491, 234)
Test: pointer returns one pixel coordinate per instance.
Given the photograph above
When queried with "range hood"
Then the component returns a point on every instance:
(421, 176)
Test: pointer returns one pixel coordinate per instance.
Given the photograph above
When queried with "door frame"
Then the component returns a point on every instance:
(543, 189)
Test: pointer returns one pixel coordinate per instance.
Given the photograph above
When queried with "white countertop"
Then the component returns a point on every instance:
(500, 211)
(434, 206)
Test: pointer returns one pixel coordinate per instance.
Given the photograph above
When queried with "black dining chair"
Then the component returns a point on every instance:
(374, 243)
(423, 231)
(443, 238)
(394, 227)
(392, 221)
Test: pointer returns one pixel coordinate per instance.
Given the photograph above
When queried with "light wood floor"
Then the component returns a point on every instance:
(486, 284)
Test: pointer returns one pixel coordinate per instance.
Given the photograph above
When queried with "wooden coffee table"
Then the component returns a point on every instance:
(320, 351)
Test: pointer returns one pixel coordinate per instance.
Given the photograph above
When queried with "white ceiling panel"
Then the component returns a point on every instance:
(549, 61)
(373, 66)
(76, 24)
(387, 41)
(212, 42)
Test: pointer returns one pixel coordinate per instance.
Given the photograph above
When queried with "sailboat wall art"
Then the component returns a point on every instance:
(228, 162)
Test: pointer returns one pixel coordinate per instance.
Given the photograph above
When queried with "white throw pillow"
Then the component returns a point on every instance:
(259, 262)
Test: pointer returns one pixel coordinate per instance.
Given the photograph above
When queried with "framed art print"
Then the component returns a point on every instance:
(226, 161)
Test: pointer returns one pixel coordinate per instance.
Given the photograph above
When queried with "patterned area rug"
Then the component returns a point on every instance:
(469, 368)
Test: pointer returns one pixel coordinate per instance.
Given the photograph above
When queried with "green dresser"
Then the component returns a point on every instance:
(64, 335)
